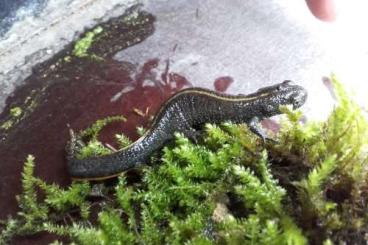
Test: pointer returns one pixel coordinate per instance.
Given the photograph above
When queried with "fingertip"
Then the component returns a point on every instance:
(323, 9)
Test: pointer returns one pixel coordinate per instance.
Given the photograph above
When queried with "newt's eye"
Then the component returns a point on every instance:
(285, 85)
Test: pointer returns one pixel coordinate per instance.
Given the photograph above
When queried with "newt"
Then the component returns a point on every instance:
(185, 112)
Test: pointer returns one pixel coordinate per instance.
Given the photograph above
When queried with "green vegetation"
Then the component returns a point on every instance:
(67, 58)
(18, 112)
(94, 147)
(230, 188)
(7, 124)
(81, 46)
(15, 113)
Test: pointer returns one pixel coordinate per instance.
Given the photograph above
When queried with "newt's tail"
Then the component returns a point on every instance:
(112, 165)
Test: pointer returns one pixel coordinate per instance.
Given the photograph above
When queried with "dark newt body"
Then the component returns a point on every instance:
(185, 112)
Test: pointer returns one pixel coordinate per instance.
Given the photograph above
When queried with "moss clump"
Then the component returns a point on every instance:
(333, 195)
(94, 147)
(228, 189)
(57, 205)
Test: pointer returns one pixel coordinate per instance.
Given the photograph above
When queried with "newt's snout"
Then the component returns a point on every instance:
(298, 96)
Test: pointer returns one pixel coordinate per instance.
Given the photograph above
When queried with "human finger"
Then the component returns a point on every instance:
(323, 9)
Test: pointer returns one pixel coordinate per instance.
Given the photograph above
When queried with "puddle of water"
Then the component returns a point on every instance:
(222, 83)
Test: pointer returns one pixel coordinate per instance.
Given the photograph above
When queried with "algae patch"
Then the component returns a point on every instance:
(18, 112)
(81, 47)
(7, 125)
(15, 113)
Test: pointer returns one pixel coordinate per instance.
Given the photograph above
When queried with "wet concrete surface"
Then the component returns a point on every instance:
(14, 10)
(258, 43)
(33, 31)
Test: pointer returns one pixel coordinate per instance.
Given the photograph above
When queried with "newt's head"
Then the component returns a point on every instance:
(292, 94)
(285, 93)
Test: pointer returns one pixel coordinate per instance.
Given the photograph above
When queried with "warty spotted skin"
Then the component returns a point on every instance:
(186, 112)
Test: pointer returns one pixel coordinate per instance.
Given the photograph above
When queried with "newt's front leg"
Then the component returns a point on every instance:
(254, 126)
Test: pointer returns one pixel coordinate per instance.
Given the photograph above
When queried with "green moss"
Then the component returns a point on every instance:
(229, 189)
(123, 140)
(93, 147)
(141, 130)
(35, 213)
(81, 46)
(93, 131)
